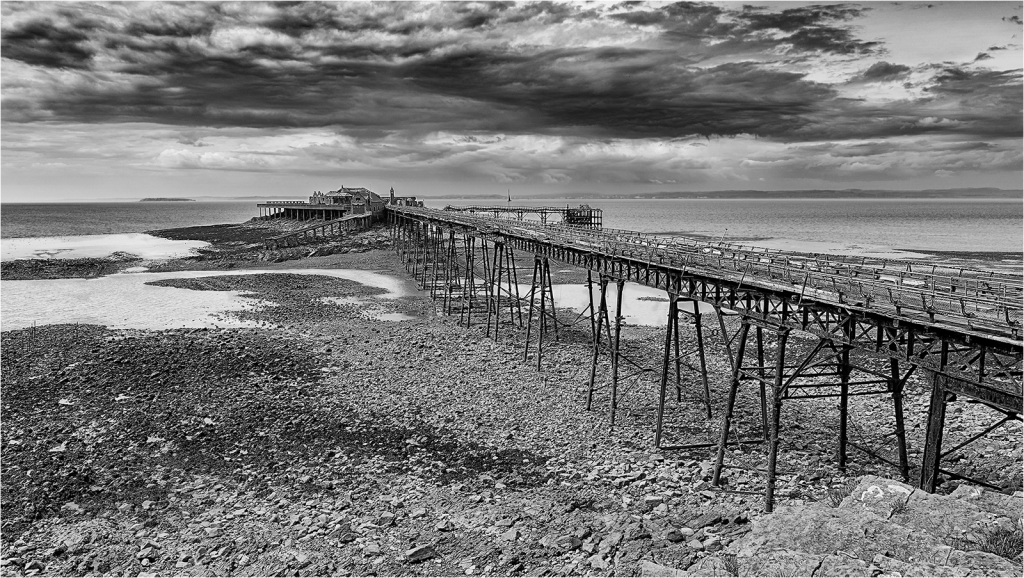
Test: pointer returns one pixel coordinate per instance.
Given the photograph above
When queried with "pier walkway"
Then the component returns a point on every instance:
(868, 324)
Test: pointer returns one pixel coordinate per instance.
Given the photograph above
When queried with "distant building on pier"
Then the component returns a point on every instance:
(344, 202)
(403, 201)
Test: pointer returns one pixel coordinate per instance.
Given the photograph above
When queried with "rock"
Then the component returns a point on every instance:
(444, 526)
(598, 561)
(510, 536)
(648, 568)
(420, 553)
(418, 513)
(346, 536)
(695, 545)
(713, 544)
(797, 539)
(568, 543)
(675, 536)
(704, 520)
(71, 508)
(652, 501)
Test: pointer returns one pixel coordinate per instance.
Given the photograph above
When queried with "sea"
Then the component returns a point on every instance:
(974, 233)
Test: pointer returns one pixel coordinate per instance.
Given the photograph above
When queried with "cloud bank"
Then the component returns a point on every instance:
(538, 92)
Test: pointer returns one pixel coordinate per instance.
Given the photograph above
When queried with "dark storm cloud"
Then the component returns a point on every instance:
(812, 28)
(881, 71)
(43, 43)
(372, 69)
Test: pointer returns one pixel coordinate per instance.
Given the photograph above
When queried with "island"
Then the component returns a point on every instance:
(156, 199)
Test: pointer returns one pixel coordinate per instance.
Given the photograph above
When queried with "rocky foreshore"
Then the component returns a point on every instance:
(26, 269)
(328, 442)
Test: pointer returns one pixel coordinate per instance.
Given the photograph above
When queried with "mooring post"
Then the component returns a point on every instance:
(619, 284)
(730, 403)
(670, 326)
(773, 442)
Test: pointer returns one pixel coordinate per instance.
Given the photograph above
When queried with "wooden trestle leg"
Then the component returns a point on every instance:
(773, 442)
(542, 321)
(844, 393)
(759, 336)
(619, 284)
(700, 354)
(529, 314)
(933, 436)
(601, 316)
(730, 403)
(516, 307)
(671, 327)
(896, 383)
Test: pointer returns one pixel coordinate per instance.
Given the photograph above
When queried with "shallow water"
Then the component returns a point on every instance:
(124, 301)
(95, 246)
(849, 226)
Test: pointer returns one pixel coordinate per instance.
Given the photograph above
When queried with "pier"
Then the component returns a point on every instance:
(797, 326)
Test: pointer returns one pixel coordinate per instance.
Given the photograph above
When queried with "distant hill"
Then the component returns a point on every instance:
(155, 199)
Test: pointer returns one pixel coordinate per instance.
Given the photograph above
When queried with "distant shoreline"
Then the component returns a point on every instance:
(163, 199)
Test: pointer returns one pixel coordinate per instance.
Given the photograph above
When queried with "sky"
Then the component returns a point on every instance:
(131, 100)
